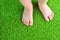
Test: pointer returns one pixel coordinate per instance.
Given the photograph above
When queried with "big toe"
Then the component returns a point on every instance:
(46, 18)
(31, 22)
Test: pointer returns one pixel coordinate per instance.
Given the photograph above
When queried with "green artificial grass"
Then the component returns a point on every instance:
(12, 28)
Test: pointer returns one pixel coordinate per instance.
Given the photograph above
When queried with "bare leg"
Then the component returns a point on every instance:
(46, 11)
(27, 18)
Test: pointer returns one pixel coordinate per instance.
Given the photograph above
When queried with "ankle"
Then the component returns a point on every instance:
(42, 5)
(28, 6)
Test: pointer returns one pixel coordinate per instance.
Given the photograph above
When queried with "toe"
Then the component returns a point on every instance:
(47, 18)
(22, 19)
(25, 22)
(31, 22)
(51, 16)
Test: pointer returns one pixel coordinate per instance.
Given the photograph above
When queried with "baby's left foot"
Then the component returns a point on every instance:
(47, 12)
(27, 18)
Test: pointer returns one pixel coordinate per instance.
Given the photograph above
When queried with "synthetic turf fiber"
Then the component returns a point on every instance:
(12, 28)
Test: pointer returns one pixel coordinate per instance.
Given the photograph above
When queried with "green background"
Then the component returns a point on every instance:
(12, 28)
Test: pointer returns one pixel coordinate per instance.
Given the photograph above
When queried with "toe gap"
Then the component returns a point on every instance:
(48, 18)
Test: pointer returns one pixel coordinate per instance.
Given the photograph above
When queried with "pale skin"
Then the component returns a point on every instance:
(27, 18)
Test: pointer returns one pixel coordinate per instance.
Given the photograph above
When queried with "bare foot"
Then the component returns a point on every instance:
(47, 12)
(28, 16)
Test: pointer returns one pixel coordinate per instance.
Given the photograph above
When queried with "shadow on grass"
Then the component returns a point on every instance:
(35, 6)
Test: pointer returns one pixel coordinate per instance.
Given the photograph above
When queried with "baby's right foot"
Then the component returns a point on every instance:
(27, 18)
(47, 12)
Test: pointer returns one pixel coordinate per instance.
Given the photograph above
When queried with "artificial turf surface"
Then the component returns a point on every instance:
(12, 28)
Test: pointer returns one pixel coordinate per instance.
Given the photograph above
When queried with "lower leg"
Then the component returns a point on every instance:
(26, 3)
(42, 2)
(27, 18)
